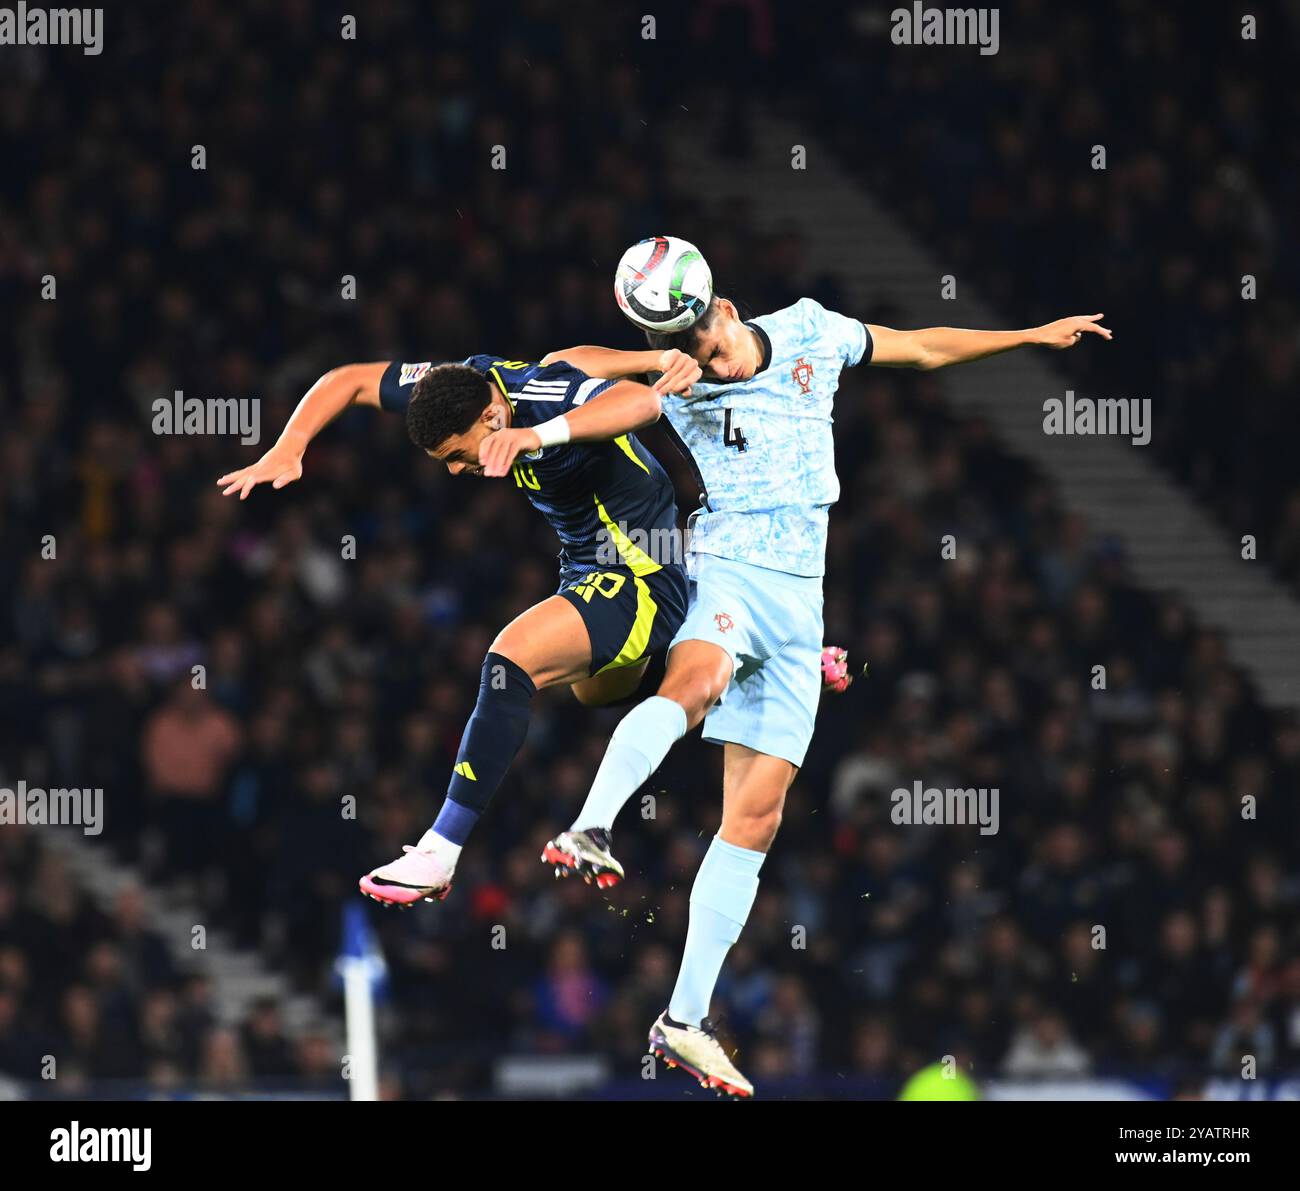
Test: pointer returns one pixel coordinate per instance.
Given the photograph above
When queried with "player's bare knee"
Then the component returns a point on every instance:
(504, 646)
(695, 692)
(754, 829)
(751, 814)
(694, 698)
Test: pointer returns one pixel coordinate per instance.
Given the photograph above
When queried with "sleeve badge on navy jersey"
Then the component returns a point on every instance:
(412, 372)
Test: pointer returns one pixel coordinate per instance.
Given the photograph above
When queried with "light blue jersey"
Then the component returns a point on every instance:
(763, 446)
(766, 460)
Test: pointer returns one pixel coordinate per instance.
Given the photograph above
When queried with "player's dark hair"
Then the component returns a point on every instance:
(447, 400)
(687, 339)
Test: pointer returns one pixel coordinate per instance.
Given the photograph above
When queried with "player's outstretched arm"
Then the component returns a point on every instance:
(937, 347)
(622, 408)
(678, 370)
(323, 402)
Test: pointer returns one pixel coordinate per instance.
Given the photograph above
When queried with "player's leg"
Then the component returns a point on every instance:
(754, 789)
(700, 667)
(697, 675)
(698, 672)
(766, 725)
(544, 646)
(621, 687)
(631, 619)
(610, 687)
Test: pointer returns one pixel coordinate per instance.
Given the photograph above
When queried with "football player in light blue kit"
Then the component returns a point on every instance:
(746, 659)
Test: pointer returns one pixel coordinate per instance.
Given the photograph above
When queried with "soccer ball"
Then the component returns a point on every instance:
(663, 284)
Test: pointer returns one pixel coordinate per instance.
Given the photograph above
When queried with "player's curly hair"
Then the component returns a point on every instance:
(446, 401)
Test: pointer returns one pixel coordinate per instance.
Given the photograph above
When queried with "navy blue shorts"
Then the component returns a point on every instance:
(628, 616)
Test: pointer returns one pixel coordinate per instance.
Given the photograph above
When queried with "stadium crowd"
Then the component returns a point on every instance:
(332, 674)
(1184, 234)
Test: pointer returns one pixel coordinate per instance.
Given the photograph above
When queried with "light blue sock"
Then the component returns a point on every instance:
(636, 749)
(721, 898)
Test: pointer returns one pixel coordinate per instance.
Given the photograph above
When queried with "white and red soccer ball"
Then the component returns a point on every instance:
(663, 284)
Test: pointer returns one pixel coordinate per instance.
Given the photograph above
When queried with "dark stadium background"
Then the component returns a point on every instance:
(327, 677)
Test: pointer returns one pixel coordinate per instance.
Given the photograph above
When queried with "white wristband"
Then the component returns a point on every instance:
(554, 432)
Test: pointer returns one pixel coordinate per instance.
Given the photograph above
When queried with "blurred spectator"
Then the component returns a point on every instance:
(1044, 1049)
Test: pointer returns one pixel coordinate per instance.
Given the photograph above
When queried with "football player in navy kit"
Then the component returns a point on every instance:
(567, 442)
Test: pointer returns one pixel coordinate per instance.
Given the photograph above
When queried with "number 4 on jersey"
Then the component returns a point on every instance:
(732, 436)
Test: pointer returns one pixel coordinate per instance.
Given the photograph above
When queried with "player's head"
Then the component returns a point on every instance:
(452, 410)
(718, 341)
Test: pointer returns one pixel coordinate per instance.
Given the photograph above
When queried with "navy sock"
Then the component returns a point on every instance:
(487, 749)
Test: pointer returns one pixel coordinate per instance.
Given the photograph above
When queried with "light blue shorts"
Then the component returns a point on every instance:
(770, 622)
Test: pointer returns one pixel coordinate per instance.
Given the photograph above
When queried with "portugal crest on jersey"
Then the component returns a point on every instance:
(803, 374)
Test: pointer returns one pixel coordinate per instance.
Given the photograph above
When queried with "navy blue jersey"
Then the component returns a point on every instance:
(598, 496)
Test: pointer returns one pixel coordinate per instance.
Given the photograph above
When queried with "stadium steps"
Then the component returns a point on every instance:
(1170, 543)
(238, 978)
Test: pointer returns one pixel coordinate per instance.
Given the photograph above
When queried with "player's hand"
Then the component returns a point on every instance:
(1066, 332)
(281, 465)
(497, 452)
(680, 372)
